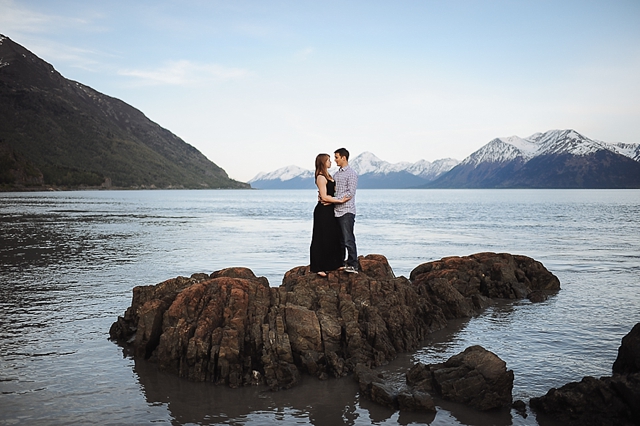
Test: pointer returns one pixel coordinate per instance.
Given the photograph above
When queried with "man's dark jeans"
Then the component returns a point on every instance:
(346, 222)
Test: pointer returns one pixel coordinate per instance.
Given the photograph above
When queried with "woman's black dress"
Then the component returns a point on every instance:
(327, 253)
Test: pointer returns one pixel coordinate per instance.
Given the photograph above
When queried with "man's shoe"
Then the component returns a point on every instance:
(351, 270)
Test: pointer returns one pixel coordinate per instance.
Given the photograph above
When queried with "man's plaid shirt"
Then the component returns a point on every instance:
(346, 183)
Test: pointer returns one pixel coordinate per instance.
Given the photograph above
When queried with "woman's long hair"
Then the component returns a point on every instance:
(321, 166)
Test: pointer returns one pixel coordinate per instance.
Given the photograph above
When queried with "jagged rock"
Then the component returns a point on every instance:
(230, 327)
(605, 401)
(476, 377)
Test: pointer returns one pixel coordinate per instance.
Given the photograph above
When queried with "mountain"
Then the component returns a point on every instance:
(58, 132)
(373, 173)
(554, 159)
(290, 177)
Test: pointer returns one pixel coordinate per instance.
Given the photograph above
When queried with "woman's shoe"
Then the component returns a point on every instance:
(322, 274)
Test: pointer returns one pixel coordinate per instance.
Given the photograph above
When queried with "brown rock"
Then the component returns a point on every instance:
(476, 377)
(461, 285)
(230, 327)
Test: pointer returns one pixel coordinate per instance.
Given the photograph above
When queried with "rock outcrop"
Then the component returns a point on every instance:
(232, 328)
(605, 401)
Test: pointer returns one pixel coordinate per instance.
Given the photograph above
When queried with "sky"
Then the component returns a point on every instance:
(259, 85)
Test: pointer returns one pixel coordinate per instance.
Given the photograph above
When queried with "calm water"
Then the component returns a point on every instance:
(69, 261)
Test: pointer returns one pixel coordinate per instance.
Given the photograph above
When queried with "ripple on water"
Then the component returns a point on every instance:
(70, 260)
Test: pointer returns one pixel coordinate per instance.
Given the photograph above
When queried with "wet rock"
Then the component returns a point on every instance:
(476, 377)
(520, 407)
(588, 402)
(462, 285)
(160, 295)
(415, 400)
(604, 401)
(379, 389)
(628, 360)
(212, 331)
(231, 327)
(537, 296)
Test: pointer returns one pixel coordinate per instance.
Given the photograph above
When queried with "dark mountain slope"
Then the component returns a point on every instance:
(601, 169)
(484, 175)
(77, 136)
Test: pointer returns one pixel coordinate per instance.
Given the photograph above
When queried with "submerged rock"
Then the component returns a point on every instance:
(232, 328)
(381, 390)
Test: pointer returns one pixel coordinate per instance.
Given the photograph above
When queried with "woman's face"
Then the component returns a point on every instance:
(328, 162)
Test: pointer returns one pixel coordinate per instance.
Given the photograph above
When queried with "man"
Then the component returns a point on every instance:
(346, 182)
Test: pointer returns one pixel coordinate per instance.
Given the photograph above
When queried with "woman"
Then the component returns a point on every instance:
(327, 253)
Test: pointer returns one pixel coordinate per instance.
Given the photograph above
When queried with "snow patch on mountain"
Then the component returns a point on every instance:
(496, 151)
(284, 173)
(368, 163)
(566, 142)
(631, 150)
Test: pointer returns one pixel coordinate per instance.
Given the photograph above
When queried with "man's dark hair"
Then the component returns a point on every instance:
(342, 152)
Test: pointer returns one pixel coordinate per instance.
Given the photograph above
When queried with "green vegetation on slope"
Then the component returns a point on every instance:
(57, 132)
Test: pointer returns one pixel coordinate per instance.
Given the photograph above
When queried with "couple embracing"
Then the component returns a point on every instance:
(334, 216)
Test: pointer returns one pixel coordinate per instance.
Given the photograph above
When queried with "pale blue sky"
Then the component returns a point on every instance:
(258, 85)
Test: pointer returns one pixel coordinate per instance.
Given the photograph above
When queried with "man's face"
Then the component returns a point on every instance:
(340, 160)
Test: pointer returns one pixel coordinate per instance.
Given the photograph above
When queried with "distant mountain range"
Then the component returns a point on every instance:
(59, 133)
(554, 159)
(373, 173)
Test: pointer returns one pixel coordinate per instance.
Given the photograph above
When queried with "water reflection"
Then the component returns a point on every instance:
(329, 402)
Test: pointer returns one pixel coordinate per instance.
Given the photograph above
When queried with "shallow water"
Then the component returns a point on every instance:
(69, 261)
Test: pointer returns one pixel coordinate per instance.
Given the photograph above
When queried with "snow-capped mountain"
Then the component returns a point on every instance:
(499, 150)
(290, 177)
(367, 162)
(372, 171)
(284, 173)
(553, 159)
(548, 143)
